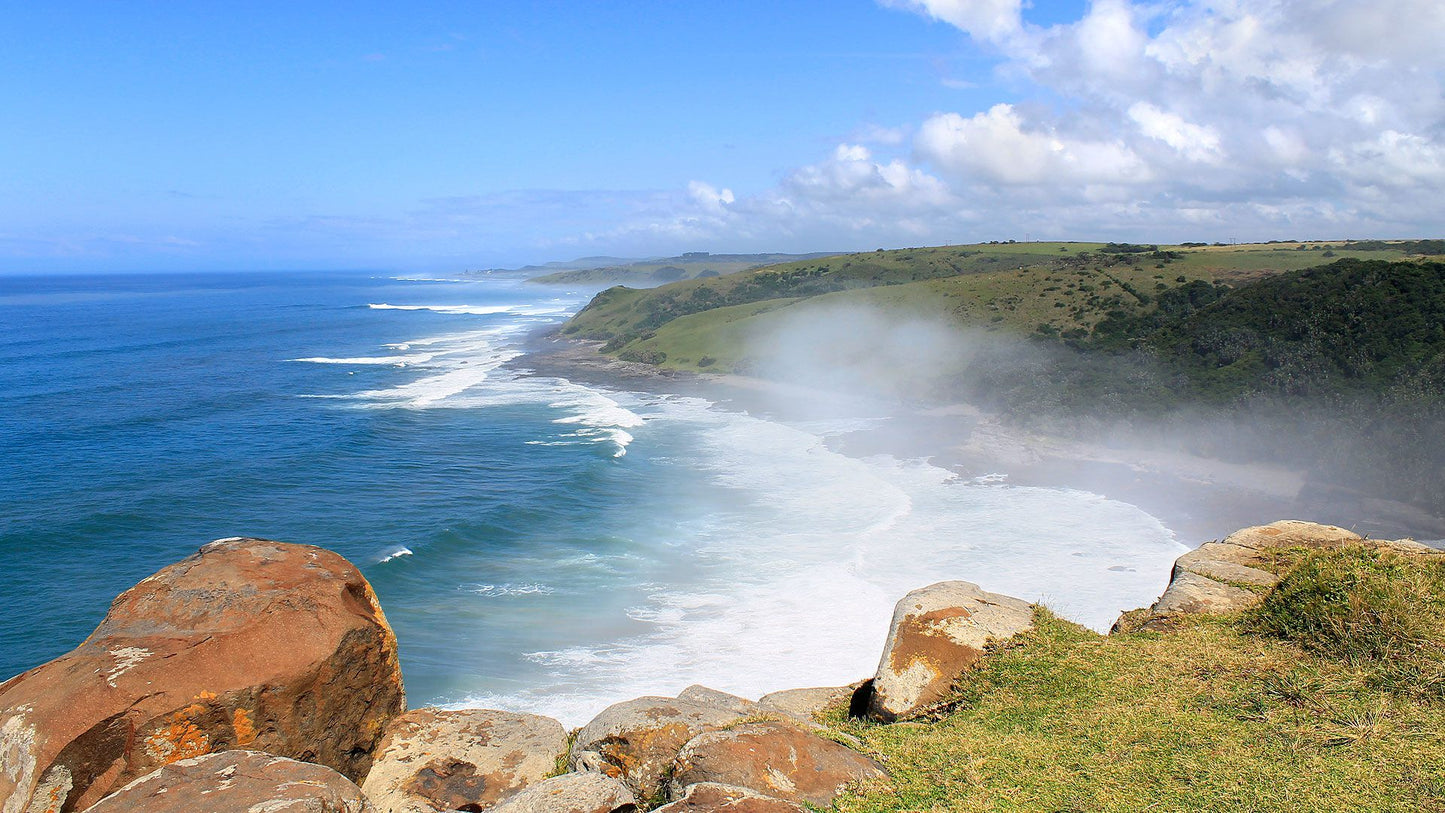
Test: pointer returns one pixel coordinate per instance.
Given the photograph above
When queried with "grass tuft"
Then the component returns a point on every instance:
(1379, 611)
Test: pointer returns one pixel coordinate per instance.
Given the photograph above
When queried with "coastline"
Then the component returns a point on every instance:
(1198, 498)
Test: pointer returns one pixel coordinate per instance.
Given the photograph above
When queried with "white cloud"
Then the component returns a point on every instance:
(1154, 120)
(711, 199)
(1109, 41)
(995, 147)
(986, 20)
(1190, 140)
(1393, 159)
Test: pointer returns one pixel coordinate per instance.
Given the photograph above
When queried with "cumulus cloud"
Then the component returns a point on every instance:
(1192, 141)
(1155, 120)
(995, 147)
(987, 20)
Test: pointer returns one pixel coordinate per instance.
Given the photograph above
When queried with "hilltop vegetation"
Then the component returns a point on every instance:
(1061, 290)
(646, 273)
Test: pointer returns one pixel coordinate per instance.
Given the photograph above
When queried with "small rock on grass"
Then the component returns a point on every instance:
(937, 633)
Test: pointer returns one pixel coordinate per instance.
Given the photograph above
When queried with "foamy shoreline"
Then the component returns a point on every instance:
(1199, 498)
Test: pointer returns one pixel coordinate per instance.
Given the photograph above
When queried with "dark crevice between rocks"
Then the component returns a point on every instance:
(861, 699)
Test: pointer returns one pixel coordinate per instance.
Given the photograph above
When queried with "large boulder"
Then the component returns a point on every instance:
(431, 760)
(1233, 574)
(582, 792)
(711, 797)
(248, 644)
(239, 781)
(774, 759)
(937, 633)
(635, 740)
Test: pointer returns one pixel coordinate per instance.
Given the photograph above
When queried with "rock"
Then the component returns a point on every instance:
(471, 759)
(703, 696)
(712, 797)
(1196, 594)
(1215, 578)
(635, 740)
(585, 792)
(937, 633)
(248, 644)
(802, 704)
(774, 759)
(239, 781)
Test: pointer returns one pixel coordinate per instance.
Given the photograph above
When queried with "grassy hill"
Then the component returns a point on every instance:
(645, 273)
(1330, 696)
(1053, 289)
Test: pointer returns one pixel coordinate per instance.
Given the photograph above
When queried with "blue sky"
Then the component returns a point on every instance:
(461, 135)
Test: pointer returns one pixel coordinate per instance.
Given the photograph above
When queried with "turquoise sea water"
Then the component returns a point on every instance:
(537, 544)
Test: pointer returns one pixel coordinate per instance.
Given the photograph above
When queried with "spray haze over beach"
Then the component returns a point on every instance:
(184, 361)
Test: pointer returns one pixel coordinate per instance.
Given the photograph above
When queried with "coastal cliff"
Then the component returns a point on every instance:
(260, 673)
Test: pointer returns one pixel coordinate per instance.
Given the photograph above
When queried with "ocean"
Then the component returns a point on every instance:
(538, 544)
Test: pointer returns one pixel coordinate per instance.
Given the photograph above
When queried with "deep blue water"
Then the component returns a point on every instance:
(537, 544)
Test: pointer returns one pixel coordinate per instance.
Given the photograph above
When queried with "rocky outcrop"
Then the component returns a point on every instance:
(803, 704)
(636, 740)
(703, 696)
(774, 759)
(583, 792)
(237, 781)
(1234, 574)
(711, 797)
(248, 644)
(937, 633)
(431, 760)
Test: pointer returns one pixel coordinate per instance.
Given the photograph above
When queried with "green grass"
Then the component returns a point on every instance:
(1382, 612)
(1282, 708)
(1205, 717)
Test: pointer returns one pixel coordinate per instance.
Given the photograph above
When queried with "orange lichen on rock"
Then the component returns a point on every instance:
(924, 639)
(179, 738)
(242, 725)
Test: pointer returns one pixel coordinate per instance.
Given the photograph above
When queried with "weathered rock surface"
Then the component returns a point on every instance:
(937, 633)
(237, 781)
(248, 644)
(636, 740)
(1215, 578)
(584, 792)
(775, 759)
(703, 696)
(802, 704)
(712, 797)
(431, 760)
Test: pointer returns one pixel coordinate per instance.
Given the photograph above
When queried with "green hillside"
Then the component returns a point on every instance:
(1062, 290)
(645, 273)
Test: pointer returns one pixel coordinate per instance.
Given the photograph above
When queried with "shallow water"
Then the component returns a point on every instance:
(538, 544)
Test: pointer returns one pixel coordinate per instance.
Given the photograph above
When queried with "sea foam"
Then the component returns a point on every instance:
(788, 576)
